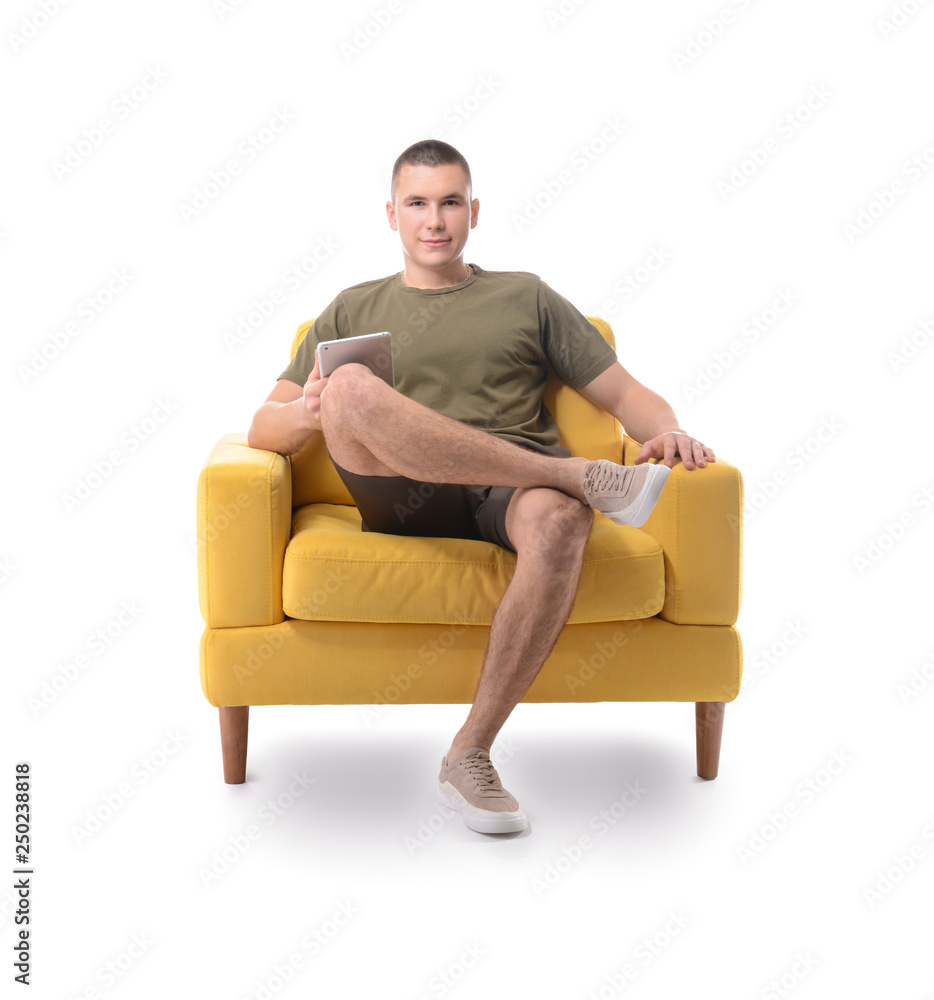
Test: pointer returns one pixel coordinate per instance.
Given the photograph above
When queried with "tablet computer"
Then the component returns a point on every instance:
(371, 349)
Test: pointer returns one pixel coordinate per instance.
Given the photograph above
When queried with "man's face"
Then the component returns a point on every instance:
(433, 214)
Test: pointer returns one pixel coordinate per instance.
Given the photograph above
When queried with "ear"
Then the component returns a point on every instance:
(391, 215)
(474, 212)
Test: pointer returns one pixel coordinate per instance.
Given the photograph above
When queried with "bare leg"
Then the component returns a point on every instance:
(550, 532)
(372, 430)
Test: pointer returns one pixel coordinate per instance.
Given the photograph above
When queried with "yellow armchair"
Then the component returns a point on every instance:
(303, 608)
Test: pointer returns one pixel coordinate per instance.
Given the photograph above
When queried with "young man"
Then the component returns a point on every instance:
(472, 350)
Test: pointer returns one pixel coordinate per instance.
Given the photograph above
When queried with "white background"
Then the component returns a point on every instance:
(825, 414)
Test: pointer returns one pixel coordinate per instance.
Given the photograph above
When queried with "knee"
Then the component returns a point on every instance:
(349, 388)
(554, 527)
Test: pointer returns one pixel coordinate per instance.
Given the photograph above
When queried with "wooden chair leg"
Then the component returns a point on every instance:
(234, 725)
(708, 716)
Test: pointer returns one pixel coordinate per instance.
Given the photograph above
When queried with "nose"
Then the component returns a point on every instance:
(434, 219)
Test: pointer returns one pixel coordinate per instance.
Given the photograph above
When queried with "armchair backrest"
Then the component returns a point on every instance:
(586, 431)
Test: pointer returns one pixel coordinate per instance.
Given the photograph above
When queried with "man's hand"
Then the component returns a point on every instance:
(669, 444)
(312, 395)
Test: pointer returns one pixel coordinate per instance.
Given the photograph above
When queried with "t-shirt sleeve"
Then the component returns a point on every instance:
(576, 350)
(331, 324)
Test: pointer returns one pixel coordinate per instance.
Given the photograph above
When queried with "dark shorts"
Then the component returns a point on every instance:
(396, 505)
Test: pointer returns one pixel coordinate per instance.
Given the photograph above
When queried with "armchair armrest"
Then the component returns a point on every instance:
(244, 523)
(698, 521)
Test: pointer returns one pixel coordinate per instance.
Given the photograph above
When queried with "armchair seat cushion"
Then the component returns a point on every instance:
(334, 571)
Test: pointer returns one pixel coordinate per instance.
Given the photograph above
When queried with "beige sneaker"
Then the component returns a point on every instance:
(471, 786)
(625, 494)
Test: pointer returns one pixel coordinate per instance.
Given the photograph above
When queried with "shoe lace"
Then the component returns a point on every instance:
(605, 475)
(482, 770)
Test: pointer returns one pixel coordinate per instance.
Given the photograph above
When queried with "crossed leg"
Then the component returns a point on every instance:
(373, 430)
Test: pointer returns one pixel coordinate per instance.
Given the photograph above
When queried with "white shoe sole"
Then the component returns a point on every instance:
(637, 513)
(481, 820)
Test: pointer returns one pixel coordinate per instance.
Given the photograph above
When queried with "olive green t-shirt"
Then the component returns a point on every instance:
(479, 352)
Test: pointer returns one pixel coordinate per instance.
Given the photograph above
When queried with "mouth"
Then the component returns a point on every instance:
(436, 243)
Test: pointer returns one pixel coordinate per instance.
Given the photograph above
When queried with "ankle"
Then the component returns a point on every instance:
(457, 748)
(575, 484)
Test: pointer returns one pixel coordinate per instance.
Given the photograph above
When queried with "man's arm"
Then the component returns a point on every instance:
(646, 417)
(289, 416)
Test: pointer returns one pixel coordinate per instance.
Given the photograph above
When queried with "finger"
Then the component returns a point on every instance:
(697, 450)
(671, 449)
(649, 450)
(310, 402)
(686, 450)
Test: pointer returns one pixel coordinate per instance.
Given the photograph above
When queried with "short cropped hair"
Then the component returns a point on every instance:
(428, 153)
